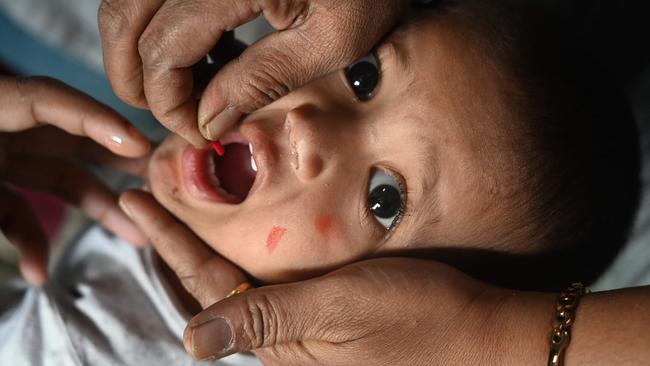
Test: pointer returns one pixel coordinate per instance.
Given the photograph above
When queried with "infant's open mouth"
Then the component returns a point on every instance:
(234, 173)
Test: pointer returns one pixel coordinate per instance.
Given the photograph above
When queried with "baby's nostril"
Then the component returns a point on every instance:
(307, 141)
(307, 161)
(295, 158)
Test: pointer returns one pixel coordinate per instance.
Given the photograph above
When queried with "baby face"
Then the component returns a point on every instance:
(408, 148)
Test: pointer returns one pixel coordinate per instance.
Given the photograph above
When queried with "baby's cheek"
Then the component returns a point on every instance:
(291, 245)
(163, 179)
(324, 224)
(289, 251)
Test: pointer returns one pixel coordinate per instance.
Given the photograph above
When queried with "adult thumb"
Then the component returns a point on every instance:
(261, 318)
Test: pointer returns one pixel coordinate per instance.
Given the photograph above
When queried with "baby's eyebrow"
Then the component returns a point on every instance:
(396, 52)
(426, 209)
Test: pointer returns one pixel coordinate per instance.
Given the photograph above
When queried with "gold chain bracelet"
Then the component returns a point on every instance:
(564, 317)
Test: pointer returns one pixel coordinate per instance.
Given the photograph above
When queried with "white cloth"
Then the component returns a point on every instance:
(106, 304)
(71, 25)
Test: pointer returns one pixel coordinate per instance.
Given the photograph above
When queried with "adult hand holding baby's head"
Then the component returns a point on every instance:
(151, 45)
(204, 274)
(392, 311)
(45, 158)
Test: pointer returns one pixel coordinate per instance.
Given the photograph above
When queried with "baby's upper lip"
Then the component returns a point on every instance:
(264, 152)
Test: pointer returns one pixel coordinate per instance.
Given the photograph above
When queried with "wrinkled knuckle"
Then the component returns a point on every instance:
(265, 85)
(115, 18)
(157, 227)
(338, 305)
(46, 81)
(189, 280)
(24, 86)
(341, 316)
(30, 84)
(151, 48)
(260, 325)
(347, 48)
(193, 278)
(348, 32)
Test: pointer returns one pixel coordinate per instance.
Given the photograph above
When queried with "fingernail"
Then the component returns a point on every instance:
(117, 143)
(125, 208)
(129, 142)
(116, 139)
(212, 338)
(222, 122)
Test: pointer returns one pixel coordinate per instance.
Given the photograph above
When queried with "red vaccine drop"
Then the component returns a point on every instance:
(218, 148)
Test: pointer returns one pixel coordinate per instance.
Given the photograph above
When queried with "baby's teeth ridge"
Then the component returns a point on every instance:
(253, 164)
(212, 174)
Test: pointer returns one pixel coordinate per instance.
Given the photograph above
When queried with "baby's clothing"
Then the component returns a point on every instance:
(107, 303)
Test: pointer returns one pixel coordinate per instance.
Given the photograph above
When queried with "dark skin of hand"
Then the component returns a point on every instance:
(392, 311)
(47, 132)
(150, 47)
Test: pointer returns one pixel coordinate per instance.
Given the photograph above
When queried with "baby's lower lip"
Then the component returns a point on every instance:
(195, 176)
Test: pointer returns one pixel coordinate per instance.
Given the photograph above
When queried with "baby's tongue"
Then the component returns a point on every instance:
(234, 170)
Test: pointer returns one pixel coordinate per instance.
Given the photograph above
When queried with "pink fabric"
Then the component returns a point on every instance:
(49, 210)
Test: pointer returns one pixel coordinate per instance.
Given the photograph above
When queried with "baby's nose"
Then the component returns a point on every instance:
(306, 142)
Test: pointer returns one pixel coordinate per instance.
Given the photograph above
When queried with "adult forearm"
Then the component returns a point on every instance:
(611, 328)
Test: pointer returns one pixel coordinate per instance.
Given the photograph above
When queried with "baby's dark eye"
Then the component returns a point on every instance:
(385, 198)
(364, 76)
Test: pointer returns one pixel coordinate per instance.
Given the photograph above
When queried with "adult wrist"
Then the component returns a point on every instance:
(521, 324)
(491, 329)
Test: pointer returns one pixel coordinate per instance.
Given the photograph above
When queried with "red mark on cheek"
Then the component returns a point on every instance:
(323, 223)
(275, 235)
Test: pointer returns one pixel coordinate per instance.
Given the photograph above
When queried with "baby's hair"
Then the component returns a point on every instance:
(581, 155)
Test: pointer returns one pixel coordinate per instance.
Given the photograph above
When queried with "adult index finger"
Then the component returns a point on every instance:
(50, 141)
(19, 224)
(181, 33)
(121, 23)
(75, 185)
(203, 273)
(30, 102)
